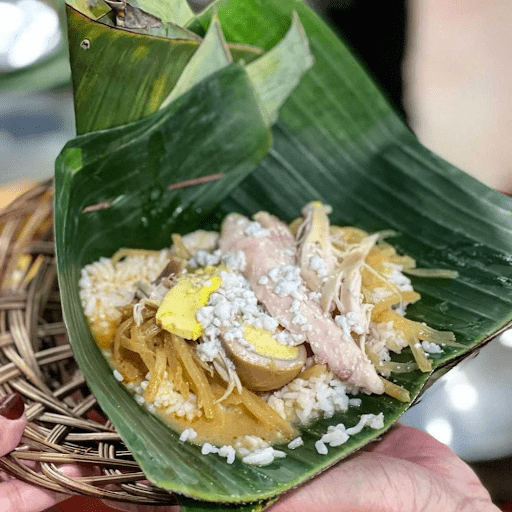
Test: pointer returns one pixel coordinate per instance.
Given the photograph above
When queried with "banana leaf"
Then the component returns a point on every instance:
(121, 75)
(336, 140)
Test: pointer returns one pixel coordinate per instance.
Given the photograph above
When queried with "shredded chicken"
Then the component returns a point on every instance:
(326, 338)
(314, 243)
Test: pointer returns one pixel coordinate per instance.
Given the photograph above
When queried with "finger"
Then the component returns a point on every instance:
(18, 496)
(133, 507)
(410, 443)
(12, 422)
(418, 447)
(371, 482)
(352, 485)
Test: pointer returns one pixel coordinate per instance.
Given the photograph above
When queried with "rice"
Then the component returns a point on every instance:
(228, 452)
(172, 402)
(304, 400)
(321, 448)
(339, 434)
(188, 433)
(295, 443)
(383, 334)
(398, 278)
(431, 348)
(118, 376)
(104, 287)
(263, 457)
(208, 448)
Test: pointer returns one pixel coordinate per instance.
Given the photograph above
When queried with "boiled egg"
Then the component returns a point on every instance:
(262, 363)
(177, 312)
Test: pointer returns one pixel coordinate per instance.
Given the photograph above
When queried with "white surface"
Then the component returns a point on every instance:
(29, 31)
(470, 408)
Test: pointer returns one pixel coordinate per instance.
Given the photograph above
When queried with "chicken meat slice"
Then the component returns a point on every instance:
(273, 275)
(343, 290)
(315, 256)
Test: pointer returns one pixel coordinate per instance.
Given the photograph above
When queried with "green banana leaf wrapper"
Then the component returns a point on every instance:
(334, 139)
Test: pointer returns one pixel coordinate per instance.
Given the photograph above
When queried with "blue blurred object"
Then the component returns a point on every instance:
(33, 129)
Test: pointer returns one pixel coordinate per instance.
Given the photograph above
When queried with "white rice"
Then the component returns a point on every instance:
(431, 348)
(303, 400)
(397, 277)
(100, 292)
(172, 402)
(321, 448)
(263, 457)
(118, 376)
(188, 433)
(300, 401)
(295, 443)
(382, 334)
(228, 452)
(339, 434)
(208, 448)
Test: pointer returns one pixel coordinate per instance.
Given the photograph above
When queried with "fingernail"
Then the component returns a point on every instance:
(12, 406)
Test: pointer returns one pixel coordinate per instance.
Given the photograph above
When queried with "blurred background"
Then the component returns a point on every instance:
(447, 69)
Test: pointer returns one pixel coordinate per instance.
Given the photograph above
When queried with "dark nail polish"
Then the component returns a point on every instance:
(12, 406)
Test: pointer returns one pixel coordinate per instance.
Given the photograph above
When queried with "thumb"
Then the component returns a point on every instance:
(12, 422)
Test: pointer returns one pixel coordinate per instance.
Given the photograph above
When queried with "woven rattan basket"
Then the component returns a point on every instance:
(65, 424)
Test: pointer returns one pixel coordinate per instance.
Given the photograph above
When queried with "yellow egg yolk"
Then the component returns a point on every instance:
(266, 345)
(177, 313)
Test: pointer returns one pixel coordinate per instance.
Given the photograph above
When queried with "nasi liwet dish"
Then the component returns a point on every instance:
(238, 338)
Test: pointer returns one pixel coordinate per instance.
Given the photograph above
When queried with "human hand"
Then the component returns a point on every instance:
(458, 84)
(407, 471)
(17, 496)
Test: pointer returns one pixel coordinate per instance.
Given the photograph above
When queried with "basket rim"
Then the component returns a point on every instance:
(64, 423)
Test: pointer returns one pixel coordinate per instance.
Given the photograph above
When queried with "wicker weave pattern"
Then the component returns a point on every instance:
(65, 424)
